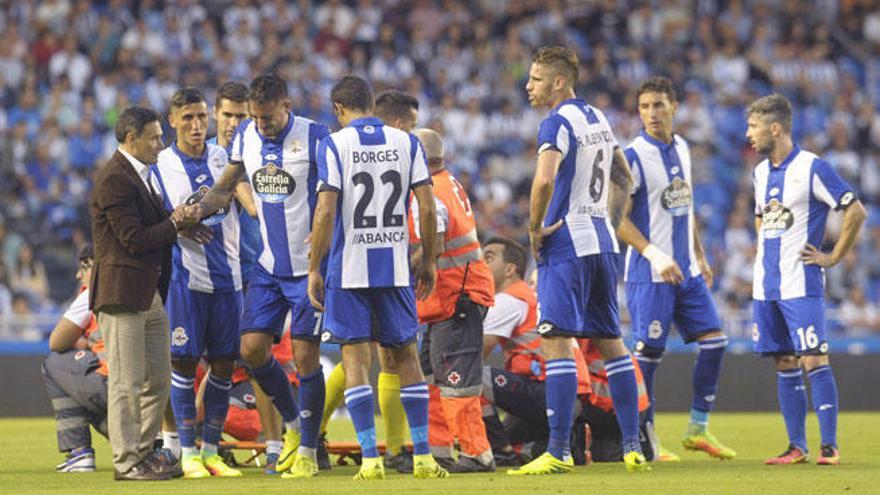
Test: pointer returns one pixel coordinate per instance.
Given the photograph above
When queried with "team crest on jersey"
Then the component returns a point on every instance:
(676, 198)
(179, 337)
(272, 184)
(453, 377)
(655, 330)
(776, 219)
(197, 196)
(295, 147)
(501, 381)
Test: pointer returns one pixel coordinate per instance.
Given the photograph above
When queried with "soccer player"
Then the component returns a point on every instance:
(667, 275)
(794, 191)
(367, 170)
(276, 151)
(75, 374)
(204, 300)
(230, 110)
(399, 110)
(451, 353)
(578, 198)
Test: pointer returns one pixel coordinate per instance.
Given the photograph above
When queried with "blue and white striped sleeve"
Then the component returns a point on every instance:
(419, 172)
(829, 188)
(329, 166)
(553, 135)
(633, 159)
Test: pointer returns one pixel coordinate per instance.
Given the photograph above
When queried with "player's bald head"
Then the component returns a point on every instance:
(431, 142)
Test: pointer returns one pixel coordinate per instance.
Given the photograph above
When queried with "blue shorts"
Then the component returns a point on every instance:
(350, 312)
(791, 326)
(578, 298)
(267, 301)
(202, 322)
(653, 307)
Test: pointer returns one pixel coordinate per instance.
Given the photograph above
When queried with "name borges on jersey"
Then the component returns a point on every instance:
(372, 157)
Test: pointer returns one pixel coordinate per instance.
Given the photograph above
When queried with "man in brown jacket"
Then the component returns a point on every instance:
(132, 236)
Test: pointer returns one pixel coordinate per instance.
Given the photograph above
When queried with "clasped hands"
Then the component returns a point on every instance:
(187, 218)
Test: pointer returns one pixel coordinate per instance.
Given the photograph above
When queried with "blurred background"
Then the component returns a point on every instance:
(68, 67)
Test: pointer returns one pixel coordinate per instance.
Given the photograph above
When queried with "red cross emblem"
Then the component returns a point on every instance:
(501, 381)
(453, 377)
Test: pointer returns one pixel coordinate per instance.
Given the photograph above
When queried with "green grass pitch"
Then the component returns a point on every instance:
(28, 457)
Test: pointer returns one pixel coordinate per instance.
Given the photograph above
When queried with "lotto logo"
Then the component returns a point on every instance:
(545, 327)
(550, 412)
(325, 336)
(756, 335)
(79, 355)
(305, 414)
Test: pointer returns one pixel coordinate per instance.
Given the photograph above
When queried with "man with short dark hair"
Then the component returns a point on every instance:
(204, 300)
(133, 235)
(667, 275)
(794, 192)
(400, 110)
(277, 152)
(366, 171)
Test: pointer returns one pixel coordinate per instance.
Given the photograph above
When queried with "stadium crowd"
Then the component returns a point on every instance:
(68, 67)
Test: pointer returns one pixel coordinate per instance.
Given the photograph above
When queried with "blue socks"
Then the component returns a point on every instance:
(649, 365)
(311, 399)
(273, 381)
(824, 391)
(216, 406)
(793, 404)
(359, 401)
(183, 403)
(415, 402)
(561, 393)
(706, 372)
(625, 395)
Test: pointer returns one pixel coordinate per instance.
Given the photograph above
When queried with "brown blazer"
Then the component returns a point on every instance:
(132, 236)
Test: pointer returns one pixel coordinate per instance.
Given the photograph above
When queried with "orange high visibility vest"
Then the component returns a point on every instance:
(600, 395)
(95, 340)
(522, 351)
(462, 254)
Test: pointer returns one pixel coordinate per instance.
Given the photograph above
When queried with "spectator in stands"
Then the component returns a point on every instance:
(28, 275)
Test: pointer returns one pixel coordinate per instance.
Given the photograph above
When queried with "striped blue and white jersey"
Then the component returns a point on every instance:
(249, 242)
(580, 194)
(662, 205)
(182, 179)
(373, 167)
(284, 176)
(793, 201)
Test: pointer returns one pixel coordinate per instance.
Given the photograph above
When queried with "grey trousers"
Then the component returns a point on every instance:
(78, 395)
(139, 360)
